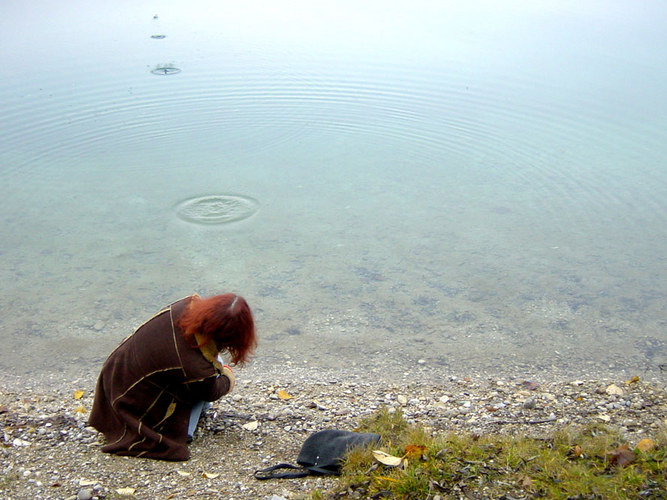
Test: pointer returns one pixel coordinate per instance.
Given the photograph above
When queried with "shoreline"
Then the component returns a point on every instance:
(394, 367)
(49, 452)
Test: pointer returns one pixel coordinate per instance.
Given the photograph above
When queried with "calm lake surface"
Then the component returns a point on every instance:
(459, 186)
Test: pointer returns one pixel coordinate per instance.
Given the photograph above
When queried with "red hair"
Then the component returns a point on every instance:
(225, 319)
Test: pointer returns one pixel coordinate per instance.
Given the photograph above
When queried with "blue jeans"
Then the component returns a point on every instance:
(195, 413)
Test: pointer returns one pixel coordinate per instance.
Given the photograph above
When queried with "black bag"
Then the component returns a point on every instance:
(321, 453)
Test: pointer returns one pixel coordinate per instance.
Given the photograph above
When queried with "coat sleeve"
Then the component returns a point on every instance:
(210, 389)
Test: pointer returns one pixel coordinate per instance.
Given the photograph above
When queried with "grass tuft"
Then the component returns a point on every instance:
(585, 463)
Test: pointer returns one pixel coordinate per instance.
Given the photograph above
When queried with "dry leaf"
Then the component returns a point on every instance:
(387, 459)
(633, 380)
(526, 482)
(78, 394)
(210, 475)
(251, 426)
(386, 478)
(575, 452)
(79, 409)
(413, 450)
(87, 482)
(183, 473)
(621, 456)
(284, 394)
(125, 491)
(645, 445)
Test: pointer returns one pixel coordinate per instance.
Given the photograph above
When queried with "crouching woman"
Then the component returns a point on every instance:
(153, 386)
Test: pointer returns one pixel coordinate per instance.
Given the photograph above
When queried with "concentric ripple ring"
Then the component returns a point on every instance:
(216, 208)
(165, 70)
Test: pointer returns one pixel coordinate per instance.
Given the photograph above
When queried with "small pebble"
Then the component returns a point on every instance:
(84, 494)
(530, 404)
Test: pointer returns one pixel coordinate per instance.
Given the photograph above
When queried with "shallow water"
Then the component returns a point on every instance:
(478, 187)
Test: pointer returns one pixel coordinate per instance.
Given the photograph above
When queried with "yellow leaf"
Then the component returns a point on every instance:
(78, 394)
(387, 459)
(284, 394)
(645, 445)
(79, 409)
(633, 380)
(415, 450)
(183, 473)
(125, 491)
(210, 475)
(386, 478)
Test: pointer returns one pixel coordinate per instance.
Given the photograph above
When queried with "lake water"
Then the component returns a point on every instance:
(459, 186)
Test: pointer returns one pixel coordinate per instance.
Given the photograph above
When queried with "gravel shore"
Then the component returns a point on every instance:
(48, 452)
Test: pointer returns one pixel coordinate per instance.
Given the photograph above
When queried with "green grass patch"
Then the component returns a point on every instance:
(573, 463)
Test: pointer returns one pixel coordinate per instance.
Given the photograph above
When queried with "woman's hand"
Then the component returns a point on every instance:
(229, 373)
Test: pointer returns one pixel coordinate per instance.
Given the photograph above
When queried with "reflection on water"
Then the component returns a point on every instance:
(479, 187)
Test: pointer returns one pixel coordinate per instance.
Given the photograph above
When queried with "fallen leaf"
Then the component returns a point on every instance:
(386, 478)
(387, 459)
(87, 482)
(413, 450)
(526, 482)
(575, 452)
(210, 475)
(251, 426)
(633, 380)
(645, 445)
(621, 456)
(78, 394)
(183, 473)
(282, 394)
(128, 492)
(79, 409)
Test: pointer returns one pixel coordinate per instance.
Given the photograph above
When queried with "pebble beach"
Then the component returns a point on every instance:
(49, 452)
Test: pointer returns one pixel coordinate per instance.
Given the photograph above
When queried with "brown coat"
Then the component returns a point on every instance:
(148, 386)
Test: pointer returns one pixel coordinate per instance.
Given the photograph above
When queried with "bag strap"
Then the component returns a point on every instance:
(269, 474)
